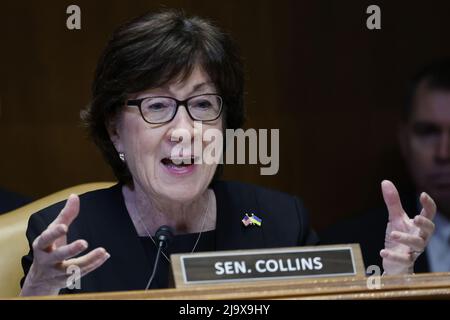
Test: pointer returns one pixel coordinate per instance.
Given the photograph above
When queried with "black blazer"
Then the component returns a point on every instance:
(104, 222)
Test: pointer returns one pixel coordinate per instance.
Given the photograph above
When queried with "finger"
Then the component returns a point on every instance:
(415, 243)
(68, 251)
(49, 236)
(87, 259)
(94, 265)
(425, 225)
(429, 206)
(86, 264)
(69, 212)
(406, 259)
(392, 200)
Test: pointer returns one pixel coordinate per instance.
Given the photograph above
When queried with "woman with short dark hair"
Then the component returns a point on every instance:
(159, 75)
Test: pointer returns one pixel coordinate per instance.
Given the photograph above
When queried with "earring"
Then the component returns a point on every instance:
(122, 156)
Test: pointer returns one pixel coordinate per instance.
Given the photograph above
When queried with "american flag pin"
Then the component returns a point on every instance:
(246, 220)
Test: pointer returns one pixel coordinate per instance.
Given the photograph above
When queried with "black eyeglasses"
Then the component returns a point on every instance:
(158, 110)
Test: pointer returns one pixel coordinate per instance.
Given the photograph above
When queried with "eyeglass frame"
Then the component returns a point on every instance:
(138, 103)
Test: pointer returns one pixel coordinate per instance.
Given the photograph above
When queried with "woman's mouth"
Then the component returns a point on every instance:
(179, 166)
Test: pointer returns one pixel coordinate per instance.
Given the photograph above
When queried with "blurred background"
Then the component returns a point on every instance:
(314, 71)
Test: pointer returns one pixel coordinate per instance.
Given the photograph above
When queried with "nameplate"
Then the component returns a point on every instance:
(267, 264)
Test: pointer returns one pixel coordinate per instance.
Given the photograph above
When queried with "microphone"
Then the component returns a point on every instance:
(164, 236)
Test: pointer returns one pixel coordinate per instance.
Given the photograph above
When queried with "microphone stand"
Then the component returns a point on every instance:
(163, 235)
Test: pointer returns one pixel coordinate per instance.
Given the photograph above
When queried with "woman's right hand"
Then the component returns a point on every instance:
(52, 255)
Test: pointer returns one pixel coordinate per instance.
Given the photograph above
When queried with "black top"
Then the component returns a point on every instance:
(103, 221)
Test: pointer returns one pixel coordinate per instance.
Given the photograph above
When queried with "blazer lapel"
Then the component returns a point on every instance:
(232, 205)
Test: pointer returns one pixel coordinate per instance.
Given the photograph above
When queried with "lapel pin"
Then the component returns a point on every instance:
(253, 220)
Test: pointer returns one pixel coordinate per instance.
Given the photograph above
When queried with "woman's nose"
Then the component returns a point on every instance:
(182, 127)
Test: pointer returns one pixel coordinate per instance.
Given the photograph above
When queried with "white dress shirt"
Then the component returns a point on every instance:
(438, 250)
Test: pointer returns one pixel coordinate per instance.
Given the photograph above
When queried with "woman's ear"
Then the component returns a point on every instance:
(114, 133)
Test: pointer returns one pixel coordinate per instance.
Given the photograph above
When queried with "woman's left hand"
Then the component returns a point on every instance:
(405, 238)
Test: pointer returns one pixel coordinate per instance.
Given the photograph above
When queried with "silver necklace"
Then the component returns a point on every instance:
(199, 235)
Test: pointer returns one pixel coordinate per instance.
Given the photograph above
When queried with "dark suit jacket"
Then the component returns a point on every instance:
(10, 201)
(104, 222)
(369, 230)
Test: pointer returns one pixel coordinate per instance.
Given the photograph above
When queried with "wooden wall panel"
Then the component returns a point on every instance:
(314, 71)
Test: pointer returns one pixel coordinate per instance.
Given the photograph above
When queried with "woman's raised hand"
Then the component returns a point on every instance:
(53, 256)
(405, 238)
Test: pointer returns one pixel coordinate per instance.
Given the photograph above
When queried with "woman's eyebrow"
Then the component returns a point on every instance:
(201, 85)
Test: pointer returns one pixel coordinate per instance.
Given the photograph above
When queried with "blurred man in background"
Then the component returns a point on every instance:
(424, 137)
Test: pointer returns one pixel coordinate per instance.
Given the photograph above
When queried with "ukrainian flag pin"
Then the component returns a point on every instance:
(256, 220)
